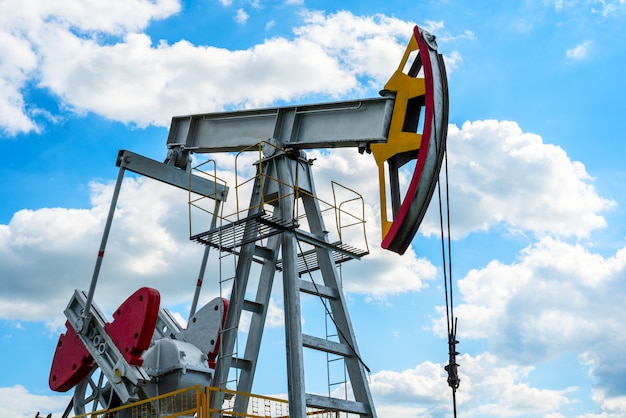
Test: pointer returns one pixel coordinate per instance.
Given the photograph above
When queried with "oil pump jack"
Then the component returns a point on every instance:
(148, 361)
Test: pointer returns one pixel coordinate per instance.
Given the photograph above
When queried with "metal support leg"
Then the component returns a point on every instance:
(293, 329)
(291, 295)
(235, 307)
(257, 322)
(103, 244)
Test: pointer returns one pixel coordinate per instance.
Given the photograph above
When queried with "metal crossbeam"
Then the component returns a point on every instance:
(327, 125)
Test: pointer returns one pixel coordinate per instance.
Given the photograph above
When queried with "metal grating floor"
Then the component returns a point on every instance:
(244, 231)
(307, 260)
(261, 225)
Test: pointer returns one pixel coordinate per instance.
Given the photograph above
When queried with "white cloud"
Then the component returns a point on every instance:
(370, 46)
(610, 407)
(23, 40)
(557, 298)
(501, 176)
(101, 62)
(241, 17)
(18, 61)
(18, 402)
(426, 383)
(48, 252)
(559, 283)
(134, 83)
(523, 26)
(114, 17)
(489, 387)
(579, 52)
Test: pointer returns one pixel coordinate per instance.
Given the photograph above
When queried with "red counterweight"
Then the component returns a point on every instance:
(133, 324)
(71, 363)
(131, 331)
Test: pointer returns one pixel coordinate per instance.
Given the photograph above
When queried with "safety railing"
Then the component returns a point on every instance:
(194, 402)
(258, 406)
(345, 211)
(208, 206)
(186, 402)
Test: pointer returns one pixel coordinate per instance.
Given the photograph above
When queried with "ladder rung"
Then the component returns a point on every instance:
(321, 344)
(263, 252)
(240, 363)
(318, 289)
(324, 402)
(253, 307)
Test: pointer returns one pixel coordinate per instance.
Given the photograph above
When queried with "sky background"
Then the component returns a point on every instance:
(536, 175)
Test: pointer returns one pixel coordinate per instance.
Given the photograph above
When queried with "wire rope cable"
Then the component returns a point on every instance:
(446, 255)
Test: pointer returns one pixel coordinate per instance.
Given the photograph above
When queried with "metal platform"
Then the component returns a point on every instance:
(308, 262)
(252, 228)
(261, 225)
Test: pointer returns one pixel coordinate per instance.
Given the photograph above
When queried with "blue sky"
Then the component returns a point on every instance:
(537, 185)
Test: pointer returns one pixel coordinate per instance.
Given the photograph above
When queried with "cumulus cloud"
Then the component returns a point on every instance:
(364, 46)
(489, 387)
(16, 401)
(18, 61)
(49, 252)
(495, 388)
(610, 407)
(557, 298)
(23, 39)
(502, 176)
(102, 63)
